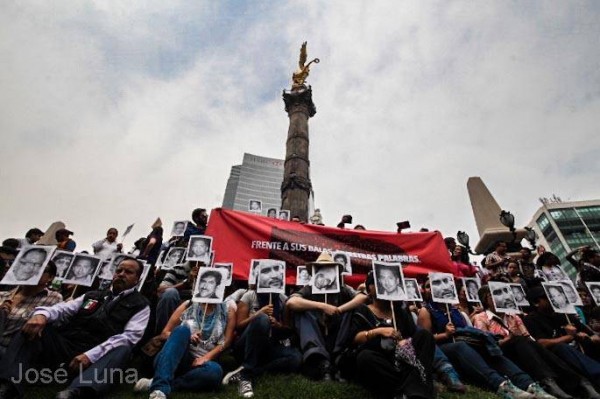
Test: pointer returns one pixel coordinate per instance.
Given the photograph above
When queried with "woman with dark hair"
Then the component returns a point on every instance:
(549, 265)
(391, 361)
(517, 344)
(462, 266)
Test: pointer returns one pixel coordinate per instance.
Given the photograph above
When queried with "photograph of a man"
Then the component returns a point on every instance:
(271, 276)
(571, 293)
(344, 260)
(179, 227)
(326, 279)
(554, 273)
(272, 213)
(199, 249)
(503, 297)
(303, 276)
(175, 256)
(443, 289)
(413, 291)
(62, 259)
(389, 281)
(28, 266)
(144, 275)
(594, 289)
(109, 266)
(519, 294)
(558, 298)
(82, 270)
(472, 289)
(284, 214)
(255, 206)
(227, 272)
(209, 286)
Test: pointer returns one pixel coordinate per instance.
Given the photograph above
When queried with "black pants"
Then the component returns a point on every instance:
(540, 362)
(53, 351)
(376, 370)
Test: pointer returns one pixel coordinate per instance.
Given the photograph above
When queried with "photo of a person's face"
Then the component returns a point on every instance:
(284, 215)
(472, 290)
(271, 276)
(502, 296)
(442, 288)
(303, 276)
(412, 290)
(571, 293)
(29, 265)
(389, 281)
(62, 261)
(554, 273)
(199, 248)
(343, 259)
(518, 294)
(209, 285)
(595, 291)
(325, 279)
(173, 258)
(227, 272)
(255, 206)
(82, 268)
(178, 228)
(557, 298)
(272, 212)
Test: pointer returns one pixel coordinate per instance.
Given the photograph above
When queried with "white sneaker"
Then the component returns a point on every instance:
(142, 385)
(507, 390)
(245, 388)
(232, 376)
(157, 395)
(536, 390)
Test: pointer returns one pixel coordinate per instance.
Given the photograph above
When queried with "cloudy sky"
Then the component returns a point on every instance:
(114, 113)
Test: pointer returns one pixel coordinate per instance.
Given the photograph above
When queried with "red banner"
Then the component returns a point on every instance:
(239, 237)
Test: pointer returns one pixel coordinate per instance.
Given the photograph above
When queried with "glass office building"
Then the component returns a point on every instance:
(565, 226)
(257, 178)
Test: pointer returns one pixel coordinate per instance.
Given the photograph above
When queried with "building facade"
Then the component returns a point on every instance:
(566, 226)
(257, 178)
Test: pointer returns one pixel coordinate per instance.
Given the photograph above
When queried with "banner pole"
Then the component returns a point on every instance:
(449, 318)
(326, 325)
(73, 292)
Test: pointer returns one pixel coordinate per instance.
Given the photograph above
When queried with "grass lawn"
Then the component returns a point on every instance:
(274, 387)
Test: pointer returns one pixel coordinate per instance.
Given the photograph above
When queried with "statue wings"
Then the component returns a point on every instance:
(303, 56)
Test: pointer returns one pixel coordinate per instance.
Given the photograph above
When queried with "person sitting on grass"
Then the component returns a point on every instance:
(487, 366)
(263, 344)
(516, 343)
(195, 336)
(391, 361)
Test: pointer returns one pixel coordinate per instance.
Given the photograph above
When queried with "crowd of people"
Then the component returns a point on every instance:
(400, 338)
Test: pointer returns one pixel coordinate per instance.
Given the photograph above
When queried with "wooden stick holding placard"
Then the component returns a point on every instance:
(449, 318)
(393, 316)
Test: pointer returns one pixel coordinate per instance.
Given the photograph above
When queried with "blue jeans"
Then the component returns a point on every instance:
(261, 353)
(488, 369)
(175, 359)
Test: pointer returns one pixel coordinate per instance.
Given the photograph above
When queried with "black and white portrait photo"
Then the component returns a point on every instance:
(62, 259)
(519, 294)
(554, 273)
(210, 286)
(389, 281)
(413, 291)
(558, 298)
(255, 206)
(83, 270)
(594, 289)
(227, 272)
(344, 260)
(108, 267)
(472, 286)
(326, 279)
(179, 227)
(443, 289)
(270, 276)
(284, 214)
(144, 275)
(199, 249)
(303, 276)
(175, 256)
(28, 266)
(502, 295)
(253, 271)
(272, 213)
(571, 292)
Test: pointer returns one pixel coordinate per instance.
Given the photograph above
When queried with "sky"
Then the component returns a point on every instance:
(114, 112)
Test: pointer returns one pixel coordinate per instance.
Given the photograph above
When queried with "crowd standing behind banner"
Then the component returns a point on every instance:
(418, 316)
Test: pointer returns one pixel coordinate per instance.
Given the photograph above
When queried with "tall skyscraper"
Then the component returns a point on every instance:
(565, 226)
(257, 178)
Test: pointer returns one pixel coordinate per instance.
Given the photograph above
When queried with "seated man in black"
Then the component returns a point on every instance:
(323, 325)
(94, 338)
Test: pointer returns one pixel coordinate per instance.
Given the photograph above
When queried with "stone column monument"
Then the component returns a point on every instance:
(296, 187)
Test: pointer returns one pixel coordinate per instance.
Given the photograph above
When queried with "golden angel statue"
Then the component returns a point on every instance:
(301, 74)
